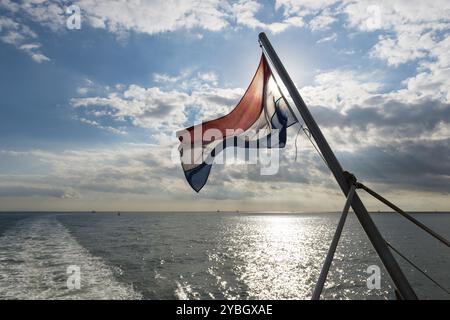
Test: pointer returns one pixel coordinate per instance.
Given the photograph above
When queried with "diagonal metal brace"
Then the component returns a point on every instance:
(404, 214)
(330, 255)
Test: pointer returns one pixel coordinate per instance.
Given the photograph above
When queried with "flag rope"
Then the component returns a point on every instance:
(302, 127)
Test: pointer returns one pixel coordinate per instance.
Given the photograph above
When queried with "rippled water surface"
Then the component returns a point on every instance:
(208, 255)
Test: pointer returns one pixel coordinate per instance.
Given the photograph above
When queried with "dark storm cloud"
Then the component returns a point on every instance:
(423, 165)
(411, 119)
(414, 164)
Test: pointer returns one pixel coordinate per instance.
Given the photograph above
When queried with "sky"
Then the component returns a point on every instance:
(89, 111)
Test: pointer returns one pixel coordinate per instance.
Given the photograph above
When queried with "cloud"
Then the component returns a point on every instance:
(323, 21)
(153, 17)
(209, 77)
(408, 30)
(30, 49)
(332, 37)
(10, 5)
(413, 31)
(163, 16)
(82, 91)
(99, 126)
(147, 172)
(414, 165)
(50, 13)
(398, 16)
(304, 7)
(356, 107)
(24, 191)
(410, 34)
(381, 122)
(144, 107)
(163, 111)
(397, 137)
(120, 16)
(22, 37)
(342, 88)
(403, 48)
(245, 12)
(132, 169)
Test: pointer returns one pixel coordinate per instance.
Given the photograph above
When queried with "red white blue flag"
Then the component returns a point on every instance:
(259, 120)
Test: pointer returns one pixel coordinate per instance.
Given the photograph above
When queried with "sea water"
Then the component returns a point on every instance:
(209, 255)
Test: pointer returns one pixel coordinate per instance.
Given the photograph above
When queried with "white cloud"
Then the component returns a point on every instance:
(332, 37)
(413, 23)
(171, 15)
(9, 5)
(245, 14)
(164, 111)
(48, 13)
(411, 30)
(209, 77)
(404, 48)
(398, 15)
(341, 89)
(144, 107)
(303, 7)
(22, 37)
(164, 78)
(32, 50)
(82, 91)
(39, 57)
(322, 21)
(414, 27)
(153, 17)
(99, 126)
(432, 80)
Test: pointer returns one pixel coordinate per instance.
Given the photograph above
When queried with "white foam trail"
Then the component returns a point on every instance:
(185, 292)
(34, 256)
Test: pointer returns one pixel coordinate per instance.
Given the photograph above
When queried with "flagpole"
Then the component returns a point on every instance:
(342, 179)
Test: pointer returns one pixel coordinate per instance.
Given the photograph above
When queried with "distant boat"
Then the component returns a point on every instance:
(93, 211)
(118, 213)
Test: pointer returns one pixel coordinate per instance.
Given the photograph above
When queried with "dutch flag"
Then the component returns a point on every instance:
(259, 120)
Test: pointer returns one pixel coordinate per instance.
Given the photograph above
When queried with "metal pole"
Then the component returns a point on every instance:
(334, 243)
(368, 225)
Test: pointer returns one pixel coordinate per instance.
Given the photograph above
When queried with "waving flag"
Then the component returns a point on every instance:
(260, 118)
